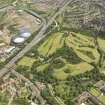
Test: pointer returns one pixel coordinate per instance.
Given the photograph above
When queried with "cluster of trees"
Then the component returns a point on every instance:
(21, 101)
(57, 63)
(68, 54)
(75, 85)
(47, 95)
(2, 64)
(47, 74)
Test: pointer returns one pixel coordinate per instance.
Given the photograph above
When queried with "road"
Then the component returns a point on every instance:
(35, 41)
(36, 15)
(34, 89)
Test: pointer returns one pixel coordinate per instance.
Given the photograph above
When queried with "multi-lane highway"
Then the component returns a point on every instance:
(41, 34)
(37, 39)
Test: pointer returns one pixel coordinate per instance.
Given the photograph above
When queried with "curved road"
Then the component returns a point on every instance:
(37, 39)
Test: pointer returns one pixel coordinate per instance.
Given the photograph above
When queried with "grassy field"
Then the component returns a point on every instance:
(95, 92)
(5, 2)
(60, 74)
(41, 68)
(70, 69)
(98, 94)
(51, 44)
(102, 99)
(26, 61)
(83, 47)
(67, 54)
(80, 43)
(101, 43)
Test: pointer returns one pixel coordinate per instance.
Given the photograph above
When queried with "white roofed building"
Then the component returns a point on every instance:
(83, 104)
(19, 40)
(26, 34)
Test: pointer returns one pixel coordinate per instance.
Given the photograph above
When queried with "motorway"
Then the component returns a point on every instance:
(35, 41)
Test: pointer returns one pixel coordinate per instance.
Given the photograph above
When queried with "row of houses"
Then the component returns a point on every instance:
(87, 96)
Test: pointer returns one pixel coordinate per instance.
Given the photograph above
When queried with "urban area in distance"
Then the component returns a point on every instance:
(52, 52)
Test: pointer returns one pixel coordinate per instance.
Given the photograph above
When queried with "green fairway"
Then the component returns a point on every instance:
(41, 68)
(81, 53)
(82, 46)
(26, 61)
(58, 55)
(101, 43)
(80, 43)
(51, 44)
(66, 53)
(60, 74)
(70, 69)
